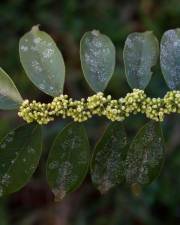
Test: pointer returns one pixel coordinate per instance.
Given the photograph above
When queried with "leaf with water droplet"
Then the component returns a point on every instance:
(107, 165)
(20, 151)
(170, 58)
(42, 61)
(140, 54)
(9, 95)
(97, 54)
(68, 160)
(146, 155)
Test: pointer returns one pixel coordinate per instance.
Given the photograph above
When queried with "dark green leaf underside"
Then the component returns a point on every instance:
(20, 152)
(68, 160)
(146, 155)
(107, 166)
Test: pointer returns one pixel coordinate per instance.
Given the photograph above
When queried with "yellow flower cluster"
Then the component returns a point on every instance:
(98, 104)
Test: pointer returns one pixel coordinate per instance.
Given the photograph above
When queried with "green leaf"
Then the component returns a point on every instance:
(145, 155)
(68, 160)
(170, 58)
(42, 61)
(97, 54)
(107, 165)
(9, 95)
(20, 152)
(140, 54)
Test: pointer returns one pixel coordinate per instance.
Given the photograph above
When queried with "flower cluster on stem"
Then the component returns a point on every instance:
(115, 110)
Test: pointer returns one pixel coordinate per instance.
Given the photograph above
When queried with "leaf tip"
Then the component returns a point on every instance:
(95, 32)
(105, 186)
(59, 194)
(35, 28)
(149, 32)
(136, 189)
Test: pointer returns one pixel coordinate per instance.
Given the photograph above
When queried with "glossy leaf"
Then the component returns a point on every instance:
(42, 61)
(170, 58)
(140, 54)
(145, 155)
(20, 152)
(9, 95)
(107, 166)
(68, 160)
(97, 54)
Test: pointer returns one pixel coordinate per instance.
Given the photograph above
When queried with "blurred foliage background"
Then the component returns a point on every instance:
(66, 21)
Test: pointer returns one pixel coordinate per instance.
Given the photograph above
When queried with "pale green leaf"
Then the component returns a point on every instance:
(140, 54)
(20, 152)
(68, 160)
(9, 95)
(42, 61)
(97, 54)
(170, 58)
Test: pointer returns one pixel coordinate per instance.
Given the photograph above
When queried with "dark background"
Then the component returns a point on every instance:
(66, 21)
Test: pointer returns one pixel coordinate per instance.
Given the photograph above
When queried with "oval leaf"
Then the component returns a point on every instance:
(107, 166)
(9, 95)
(140, 54)
(68, 160)
(170, 58)
(97, 55)
(42, 61)
(145, 155)
(20, 152)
